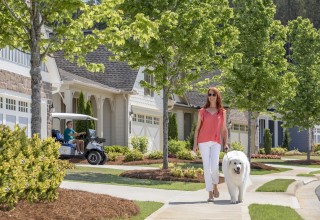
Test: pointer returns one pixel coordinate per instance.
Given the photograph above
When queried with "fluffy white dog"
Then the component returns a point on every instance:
(236, 170)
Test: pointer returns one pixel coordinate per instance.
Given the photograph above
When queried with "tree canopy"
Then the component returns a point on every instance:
(192, 36)
(259, 79)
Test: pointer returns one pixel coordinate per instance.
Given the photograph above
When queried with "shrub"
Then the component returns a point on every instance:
(112, 156)
(190, 172)
(267, 141)
(293, 152)
(175, 146)
(261, 151)
(133, 155)
(155, 155)
(30, 168)
(170, 165)
(221, 155)
(172, 127)
(237, 146)
(278, 150)
(140, 143)
(116, 149)
(316, 147)
(177, 172)
(186, 155)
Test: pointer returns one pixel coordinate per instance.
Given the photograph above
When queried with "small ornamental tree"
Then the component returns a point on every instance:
(173, 127)
(286, 139)
(267, 141)
(81, 109)
(88, 111)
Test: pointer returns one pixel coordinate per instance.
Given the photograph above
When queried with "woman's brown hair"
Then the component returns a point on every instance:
(218, 99)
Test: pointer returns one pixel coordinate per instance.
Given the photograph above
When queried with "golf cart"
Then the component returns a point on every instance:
(94, 150)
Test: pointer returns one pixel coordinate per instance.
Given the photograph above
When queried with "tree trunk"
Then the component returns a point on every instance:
(249, 135)
(308, 144)
(35, 71)
(165, 127)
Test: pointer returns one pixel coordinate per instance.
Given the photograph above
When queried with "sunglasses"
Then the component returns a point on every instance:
(212, 94)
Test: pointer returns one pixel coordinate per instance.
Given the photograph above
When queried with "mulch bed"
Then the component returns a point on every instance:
(73, 204)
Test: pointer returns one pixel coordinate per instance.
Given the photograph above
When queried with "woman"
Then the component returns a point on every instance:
(210, 128)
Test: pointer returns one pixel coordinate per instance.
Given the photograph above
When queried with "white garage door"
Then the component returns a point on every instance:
(148, 126)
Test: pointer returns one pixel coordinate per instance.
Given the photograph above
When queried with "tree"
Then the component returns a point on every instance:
(267, 141)
(259, 79)
(23, 27)
(191, 36)
(286, 139)
(173, 127)
(81, 125)
(302, 109)
(88, 111)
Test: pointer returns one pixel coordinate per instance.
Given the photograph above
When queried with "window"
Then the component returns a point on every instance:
(148, 119)
(141, 118)
(237, 127)
(23, 106)
(317, 135)
(10, 104)
(156, 120)
(149, 79)
(16, 56)
(1, 102)
(134, 117)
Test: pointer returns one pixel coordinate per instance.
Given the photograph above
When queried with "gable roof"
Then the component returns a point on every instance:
(116, 75)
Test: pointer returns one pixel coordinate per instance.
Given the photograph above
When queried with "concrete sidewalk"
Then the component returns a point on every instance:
(186, 205)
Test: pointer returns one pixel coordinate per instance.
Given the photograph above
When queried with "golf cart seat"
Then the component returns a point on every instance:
(59, 137)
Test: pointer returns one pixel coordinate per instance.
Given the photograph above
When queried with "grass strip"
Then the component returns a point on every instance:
(271, 212)
(146, 209)
(277, 185)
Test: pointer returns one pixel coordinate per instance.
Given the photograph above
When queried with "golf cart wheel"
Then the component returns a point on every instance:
(103, 158)
(94, 157)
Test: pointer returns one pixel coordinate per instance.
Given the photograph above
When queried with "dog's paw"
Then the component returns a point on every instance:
(240, 201)
(233, 201)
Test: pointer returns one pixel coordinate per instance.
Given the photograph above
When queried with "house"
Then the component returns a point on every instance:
(15, 90)
(123, 108)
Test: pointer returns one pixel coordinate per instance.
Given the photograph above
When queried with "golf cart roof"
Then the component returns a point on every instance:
(72, 116)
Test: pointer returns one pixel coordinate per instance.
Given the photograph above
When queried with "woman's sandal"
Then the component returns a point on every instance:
(210, 200)
(216, 194)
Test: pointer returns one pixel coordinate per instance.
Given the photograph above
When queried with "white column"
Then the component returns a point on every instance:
(100, 102)
(180, 124)
(266, 123)
(275, 133)
(68, 95)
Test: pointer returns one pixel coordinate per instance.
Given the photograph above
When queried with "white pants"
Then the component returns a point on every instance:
(210, 158)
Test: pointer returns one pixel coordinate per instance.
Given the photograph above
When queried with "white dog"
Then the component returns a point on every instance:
(236, 170)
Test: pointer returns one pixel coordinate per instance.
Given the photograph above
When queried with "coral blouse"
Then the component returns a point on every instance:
(211, 125)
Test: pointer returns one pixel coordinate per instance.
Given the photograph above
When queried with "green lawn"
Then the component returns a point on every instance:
(263, 172)
(111, 176)
(146, 209)
(277, 185)
(272, 212)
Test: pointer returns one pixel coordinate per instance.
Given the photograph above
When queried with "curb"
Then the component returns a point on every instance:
(293, 187)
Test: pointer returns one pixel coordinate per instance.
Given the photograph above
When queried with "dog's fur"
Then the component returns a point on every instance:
(236, 170)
